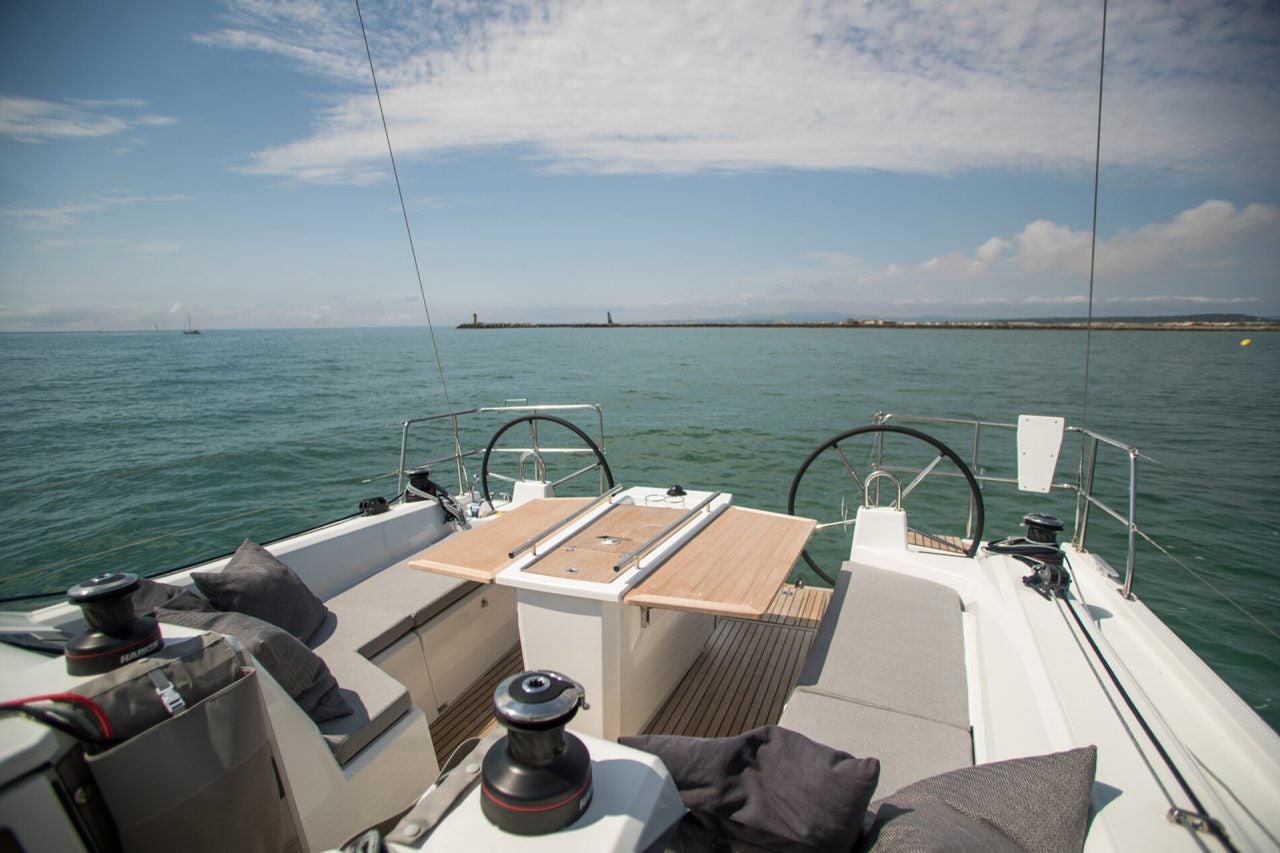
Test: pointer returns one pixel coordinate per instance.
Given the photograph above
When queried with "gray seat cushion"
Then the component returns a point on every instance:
(418, 595)
(1038, 804)
(909, 748)
(359, 630)
(894, 642)
(381, 609)
(363, 621)
(377, 701)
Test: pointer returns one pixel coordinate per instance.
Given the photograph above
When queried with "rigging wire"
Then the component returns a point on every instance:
(417, 269)
(1093, 245)
(1228, 599)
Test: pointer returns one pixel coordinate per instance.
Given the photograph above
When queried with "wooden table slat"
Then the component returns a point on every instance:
(480, 553)
(733, 567)
(593, 551)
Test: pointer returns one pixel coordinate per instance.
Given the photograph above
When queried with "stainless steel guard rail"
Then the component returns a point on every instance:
(1085, 498)
(459, 455)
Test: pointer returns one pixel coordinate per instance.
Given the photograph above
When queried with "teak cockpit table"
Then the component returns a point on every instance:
(622, 596)
(480, 553)
(733, 567)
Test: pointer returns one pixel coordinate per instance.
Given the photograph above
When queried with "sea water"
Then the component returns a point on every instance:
(149, 451)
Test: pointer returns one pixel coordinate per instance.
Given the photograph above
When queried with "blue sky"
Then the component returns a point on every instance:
(659, 160)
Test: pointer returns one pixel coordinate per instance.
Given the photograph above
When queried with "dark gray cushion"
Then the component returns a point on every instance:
(152, 594)
(302, 673)
(771, 779)
(1039, 804)
(256, 583)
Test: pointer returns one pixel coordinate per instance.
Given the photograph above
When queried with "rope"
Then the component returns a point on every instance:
(404, 211)
(1213, 827)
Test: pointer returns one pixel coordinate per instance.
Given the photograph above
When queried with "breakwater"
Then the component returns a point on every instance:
(983, 325)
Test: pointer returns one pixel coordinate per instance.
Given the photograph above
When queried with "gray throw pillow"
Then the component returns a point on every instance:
(255, 582)
(770, 779)
(152, 594)
(300, 671)
(1039, 803)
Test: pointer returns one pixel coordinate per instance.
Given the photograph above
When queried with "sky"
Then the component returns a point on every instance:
(699, 159)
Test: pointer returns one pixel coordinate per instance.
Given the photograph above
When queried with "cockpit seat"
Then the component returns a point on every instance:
(885, 676)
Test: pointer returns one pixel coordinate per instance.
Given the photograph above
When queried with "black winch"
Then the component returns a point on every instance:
(1040, 545)
(422, 488)
(116, 635)
(537, 779)
(1039, 550)
(1042, 527)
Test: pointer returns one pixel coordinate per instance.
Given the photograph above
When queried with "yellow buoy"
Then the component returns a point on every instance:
(1246, 342)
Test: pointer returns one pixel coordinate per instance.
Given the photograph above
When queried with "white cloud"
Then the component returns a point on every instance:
(1193, 238)
(1046, 247)
(989, 252)
(685, 85)
(65, 213)
(1187, 299)
(959, 265)
(1055, 256)
(34, 120)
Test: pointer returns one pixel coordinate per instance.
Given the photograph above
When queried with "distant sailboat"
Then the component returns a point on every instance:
(188, 330)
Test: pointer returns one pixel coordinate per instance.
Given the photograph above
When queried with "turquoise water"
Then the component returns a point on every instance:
(147, 451)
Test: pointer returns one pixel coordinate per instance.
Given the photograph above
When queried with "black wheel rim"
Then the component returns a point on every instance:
(979, 511)
(493, 442)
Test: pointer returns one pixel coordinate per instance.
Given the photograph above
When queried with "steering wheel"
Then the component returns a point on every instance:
(532, 420)
(871, 441)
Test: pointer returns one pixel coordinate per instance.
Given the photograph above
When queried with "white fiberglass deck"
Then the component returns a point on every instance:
(1036, 686)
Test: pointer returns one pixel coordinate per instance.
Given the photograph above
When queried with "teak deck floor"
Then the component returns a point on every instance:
(739, 681)
(745, 672)
(948, 544)
(471, 714)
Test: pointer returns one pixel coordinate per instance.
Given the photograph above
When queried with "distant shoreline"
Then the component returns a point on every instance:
(1070, 325)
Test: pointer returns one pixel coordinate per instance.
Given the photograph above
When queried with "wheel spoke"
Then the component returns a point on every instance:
(923, 473)
(849, 468)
